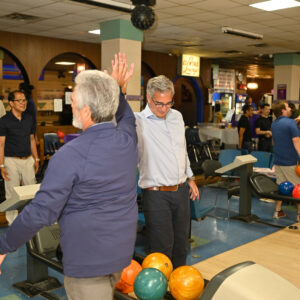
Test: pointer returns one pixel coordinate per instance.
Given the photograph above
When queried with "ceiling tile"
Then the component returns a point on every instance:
(238, 11)
(43, 12)
(181, 10)
(284, 22)
(66, 7)
(12, 7)
(213, 4)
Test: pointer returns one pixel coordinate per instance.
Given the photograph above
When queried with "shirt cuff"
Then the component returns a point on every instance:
(189, 172)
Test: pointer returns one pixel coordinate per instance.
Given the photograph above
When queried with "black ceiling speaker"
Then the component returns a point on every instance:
(142, 16)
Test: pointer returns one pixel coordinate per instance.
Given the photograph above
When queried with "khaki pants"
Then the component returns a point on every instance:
(94, 288)
(18, 170)
(286, 173)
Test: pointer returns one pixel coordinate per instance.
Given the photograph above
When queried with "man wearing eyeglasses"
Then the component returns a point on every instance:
(166, 178)
(18, 153)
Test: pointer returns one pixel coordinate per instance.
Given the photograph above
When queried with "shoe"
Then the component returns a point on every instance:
(279, 214)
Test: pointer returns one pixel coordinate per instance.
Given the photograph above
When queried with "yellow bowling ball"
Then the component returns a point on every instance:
(158, 261)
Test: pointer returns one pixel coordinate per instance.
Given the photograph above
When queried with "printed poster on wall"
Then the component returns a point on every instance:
(281, 91)
(225, 80)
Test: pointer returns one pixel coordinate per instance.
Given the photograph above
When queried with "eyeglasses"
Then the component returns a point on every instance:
(20, 100)
(160, 105)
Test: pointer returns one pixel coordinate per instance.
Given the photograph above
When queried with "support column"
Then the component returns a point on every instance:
(287, 76)
(121, 36)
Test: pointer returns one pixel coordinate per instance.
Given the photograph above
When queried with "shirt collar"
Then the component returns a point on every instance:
(147, 112)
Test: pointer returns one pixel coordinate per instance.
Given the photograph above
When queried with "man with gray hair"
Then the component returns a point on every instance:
(166, 178)
(90, 189)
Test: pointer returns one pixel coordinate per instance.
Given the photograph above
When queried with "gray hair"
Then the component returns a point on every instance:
(99, 92)
(160, 83)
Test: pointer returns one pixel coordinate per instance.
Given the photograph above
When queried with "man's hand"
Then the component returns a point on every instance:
(194, 192)
(4, 174)
(2, 256)
(120, 71)
(268, 134)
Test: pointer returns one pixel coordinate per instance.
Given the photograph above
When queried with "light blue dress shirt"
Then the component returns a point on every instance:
(163, 159)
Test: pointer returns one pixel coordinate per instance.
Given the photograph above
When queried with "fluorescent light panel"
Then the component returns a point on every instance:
(95, 31)
(275, 4)
(115, 3)
(65, 63)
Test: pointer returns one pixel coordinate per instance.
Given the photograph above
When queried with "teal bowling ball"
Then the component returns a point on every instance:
(150, 284)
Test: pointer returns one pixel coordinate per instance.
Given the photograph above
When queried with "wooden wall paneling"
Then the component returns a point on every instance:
(161, 63)
(34, 52)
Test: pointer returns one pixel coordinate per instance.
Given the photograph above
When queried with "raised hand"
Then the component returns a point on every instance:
(120, 71)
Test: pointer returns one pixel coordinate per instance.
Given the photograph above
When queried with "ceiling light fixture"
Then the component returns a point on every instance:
(242, 33)
(95, 31)
(252, 85)
(272, 5)
(110, 4)
(65, 63)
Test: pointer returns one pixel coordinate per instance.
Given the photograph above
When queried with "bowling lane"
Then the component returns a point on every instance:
(278, 252)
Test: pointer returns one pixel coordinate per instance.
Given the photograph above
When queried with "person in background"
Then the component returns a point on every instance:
(263, 129)
(244, 129)
(249, 101)
(293, 110)
(18, 152)
(31, 108)
(90, 189)
(217, 114)
(2, 108)
(166, 178)
(286, 150)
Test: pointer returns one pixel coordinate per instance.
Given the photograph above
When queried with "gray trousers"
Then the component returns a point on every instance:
(167, 216)
(94, 288)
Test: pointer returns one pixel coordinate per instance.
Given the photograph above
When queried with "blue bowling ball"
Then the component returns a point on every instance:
(286, 188)
(150, 284)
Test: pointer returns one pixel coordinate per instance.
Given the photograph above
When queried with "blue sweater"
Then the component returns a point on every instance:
(90, 188)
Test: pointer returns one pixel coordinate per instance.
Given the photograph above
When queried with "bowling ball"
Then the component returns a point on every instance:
(125, 285)
(186, 283)
(286, 188)
(298, 170)
(60, 134)
(296, 191)
(150, 284)
(158, 261)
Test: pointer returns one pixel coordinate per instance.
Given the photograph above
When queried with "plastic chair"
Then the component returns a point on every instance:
(264, 159)
(227, 156)
(231, 187)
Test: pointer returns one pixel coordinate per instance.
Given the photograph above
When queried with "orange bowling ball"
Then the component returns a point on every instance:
(125, 285)
(158, 261)
(296, 191)
(298, 170)
(186, 283)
